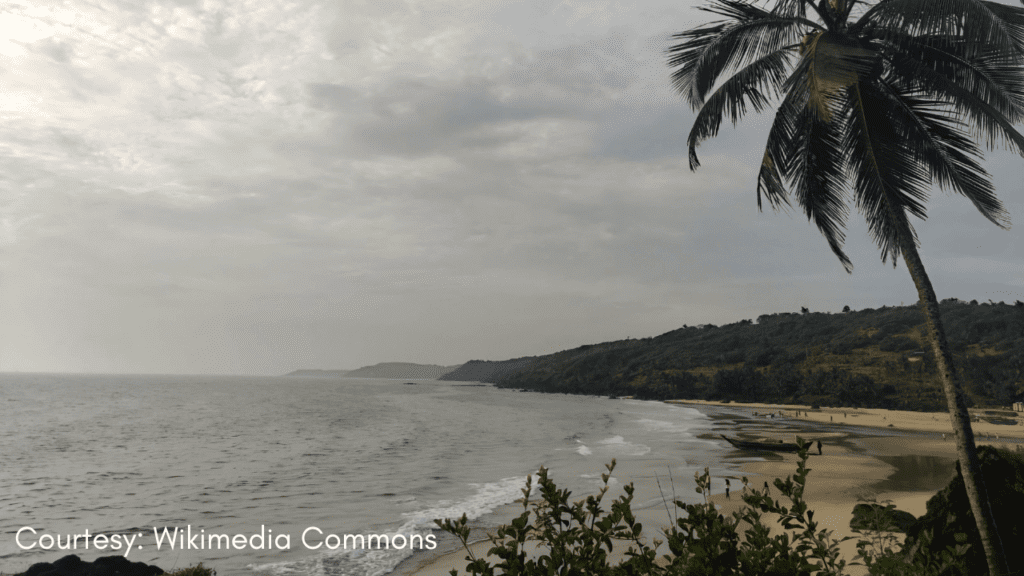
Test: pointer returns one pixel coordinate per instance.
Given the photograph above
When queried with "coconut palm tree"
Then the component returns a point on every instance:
(878, 101)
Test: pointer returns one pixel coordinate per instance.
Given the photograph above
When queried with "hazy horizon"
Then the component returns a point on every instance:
(204, 187)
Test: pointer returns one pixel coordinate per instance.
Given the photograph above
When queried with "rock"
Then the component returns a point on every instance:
(871, 516)
(949, 522)
(72, 565)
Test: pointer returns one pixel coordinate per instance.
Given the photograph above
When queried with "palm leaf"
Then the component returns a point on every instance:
(937, 142)
(777, 164)
(708, 52)
(935, 63)
(888, 183)
(752, 85)
(975, 94)
(976, 23)
(818, 168)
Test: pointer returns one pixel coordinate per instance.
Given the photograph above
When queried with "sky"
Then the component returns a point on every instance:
(253, 187)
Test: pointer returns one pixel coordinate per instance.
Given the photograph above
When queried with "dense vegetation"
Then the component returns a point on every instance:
(866, 358)
(555, 535)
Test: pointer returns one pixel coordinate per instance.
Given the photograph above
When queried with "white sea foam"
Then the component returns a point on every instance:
(677, 427)
(487, 497)
(619, 445)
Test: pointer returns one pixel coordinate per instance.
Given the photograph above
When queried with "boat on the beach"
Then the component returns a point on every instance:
(777, 446)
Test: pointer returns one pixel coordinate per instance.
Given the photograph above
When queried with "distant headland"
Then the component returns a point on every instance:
(395, 370)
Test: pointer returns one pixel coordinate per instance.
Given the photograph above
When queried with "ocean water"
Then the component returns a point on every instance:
(269, 458)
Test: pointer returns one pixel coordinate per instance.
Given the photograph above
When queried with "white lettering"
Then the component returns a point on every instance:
(306, 544)
(362, 540)
(17, 537)
(128, 542)
(252, 540)
(165, 534)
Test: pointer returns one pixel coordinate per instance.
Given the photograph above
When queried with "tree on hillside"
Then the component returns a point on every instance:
(880, 99)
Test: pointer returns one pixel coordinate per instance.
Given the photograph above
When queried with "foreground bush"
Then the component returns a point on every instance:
(577, 538)
(944, 542)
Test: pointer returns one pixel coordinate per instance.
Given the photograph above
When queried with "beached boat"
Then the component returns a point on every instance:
(778, 446)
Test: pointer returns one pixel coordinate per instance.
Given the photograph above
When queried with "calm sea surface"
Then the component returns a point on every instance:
(251, 456)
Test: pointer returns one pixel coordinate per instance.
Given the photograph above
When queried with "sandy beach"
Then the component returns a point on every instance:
(887, 455)
(985, 430)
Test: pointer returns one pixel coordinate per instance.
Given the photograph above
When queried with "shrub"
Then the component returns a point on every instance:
(898, 344)
(577, 538)
(572, 538)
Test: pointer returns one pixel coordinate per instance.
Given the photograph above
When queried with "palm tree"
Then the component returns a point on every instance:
(880, 100)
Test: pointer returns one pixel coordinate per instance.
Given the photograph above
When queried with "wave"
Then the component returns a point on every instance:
(619, 445)
(374, 562)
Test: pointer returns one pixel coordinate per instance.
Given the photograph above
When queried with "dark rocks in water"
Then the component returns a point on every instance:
(949, 522)
(874, 516)
(72, 565)
(410, 383)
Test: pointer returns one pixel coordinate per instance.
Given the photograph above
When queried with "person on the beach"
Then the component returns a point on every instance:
(766, 489)
(819, 447)
(727, 488)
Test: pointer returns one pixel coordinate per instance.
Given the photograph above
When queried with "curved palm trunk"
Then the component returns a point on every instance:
(966, 451)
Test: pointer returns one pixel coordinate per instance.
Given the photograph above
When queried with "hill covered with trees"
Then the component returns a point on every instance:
(868, 358)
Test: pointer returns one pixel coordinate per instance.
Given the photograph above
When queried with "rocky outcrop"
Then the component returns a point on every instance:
(106, 566)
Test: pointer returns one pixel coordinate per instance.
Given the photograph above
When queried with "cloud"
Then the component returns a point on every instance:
(259, 186)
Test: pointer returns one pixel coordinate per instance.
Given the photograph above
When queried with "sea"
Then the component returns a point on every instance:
(282, 475)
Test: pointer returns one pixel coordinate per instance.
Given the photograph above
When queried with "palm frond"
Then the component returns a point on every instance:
(934, 140)
(936, 63)
(888, 182)
(755, 84)
(977, 23)
(776, 162)
(790, 8)
(980, 96)
(1012, 20)
(818, 168)
(707, 53)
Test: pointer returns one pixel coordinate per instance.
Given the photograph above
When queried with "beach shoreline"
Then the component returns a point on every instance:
(885, 455)
(903, 420)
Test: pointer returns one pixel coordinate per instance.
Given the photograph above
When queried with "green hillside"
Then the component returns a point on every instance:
(867, 358)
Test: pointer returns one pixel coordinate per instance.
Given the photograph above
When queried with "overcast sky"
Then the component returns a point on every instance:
(257, 186)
